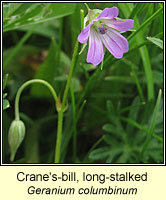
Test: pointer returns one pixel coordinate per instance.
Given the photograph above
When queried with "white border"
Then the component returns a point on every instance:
(163, 88)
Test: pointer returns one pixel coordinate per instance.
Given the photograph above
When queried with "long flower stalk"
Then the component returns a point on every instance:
(61, 107)
(27, 84)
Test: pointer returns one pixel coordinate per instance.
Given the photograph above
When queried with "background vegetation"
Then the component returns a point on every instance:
(114, 115)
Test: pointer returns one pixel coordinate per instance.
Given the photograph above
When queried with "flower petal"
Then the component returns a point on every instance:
(115, 43)
(83, 36)
(119, 25)
(95, 51)
(108, 13)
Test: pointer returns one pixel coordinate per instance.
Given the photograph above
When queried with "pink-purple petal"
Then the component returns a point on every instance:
(120, 25)
(108, 13)
(115, 43)
(120, 40)
(95, 51)
(83, 36)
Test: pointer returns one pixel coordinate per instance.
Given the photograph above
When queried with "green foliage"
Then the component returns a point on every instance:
(6, 103)
(156, 41)
(125, 145)
(114, 115)
(19, 15)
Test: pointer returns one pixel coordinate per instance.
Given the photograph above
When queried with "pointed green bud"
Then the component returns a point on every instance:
(16, 136)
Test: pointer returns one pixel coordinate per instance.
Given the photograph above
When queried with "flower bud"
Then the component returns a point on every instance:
(16, 136)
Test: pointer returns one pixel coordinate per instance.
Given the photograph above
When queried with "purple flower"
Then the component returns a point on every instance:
(101, 29)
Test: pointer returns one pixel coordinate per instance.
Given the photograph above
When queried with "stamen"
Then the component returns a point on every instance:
(102, 29)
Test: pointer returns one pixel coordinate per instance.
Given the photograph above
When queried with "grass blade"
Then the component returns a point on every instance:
(17, 47)
(152, 126)
(143, 50)
(142, 128)
(149, 20)
(138, 8)
(135, 78)
(156, 41)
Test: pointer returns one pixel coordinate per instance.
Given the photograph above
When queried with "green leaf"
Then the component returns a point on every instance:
(155, 114)
(24, 14)
(123, 158)
(5, 104)
(4, 95)
(123, 79)
(156, 41)
(158, 77)
(146, 23)
(88, 67)
(47, 29)
(5, 80)
(137, 9)
(15, 8)
(110, 111)
(5, 9)
(114, 152)
(152, 125)
(133, 114)
(111, 141)
(61, 78)
(75, 84)
(145, 54)
(100, 153)
(111, 129)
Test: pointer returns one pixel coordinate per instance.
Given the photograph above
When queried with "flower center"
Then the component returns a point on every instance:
(102, 29)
